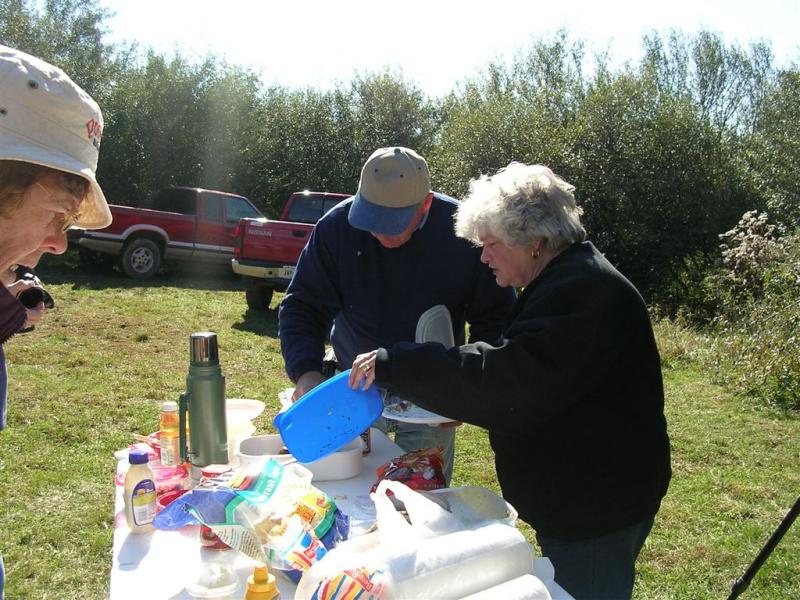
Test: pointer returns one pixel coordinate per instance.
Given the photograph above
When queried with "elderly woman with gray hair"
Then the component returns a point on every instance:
(571, 394)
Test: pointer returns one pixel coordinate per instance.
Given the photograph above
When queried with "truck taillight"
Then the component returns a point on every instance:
(237, 240)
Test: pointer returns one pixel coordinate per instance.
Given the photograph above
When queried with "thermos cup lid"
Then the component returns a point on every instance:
(203, 348)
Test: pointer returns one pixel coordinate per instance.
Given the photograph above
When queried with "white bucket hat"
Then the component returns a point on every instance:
(46, 119)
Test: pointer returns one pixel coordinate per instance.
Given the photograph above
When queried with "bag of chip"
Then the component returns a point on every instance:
(420, 470)
(266, 510)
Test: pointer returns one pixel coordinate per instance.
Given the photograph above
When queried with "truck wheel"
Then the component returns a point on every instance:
(141, 258)
(258, 297)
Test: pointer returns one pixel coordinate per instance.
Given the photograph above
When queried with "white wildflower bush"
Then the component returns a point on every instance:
(757, 326)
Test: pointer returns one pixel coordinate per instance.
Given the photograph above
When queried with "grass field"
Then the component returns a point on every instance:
(98, 366)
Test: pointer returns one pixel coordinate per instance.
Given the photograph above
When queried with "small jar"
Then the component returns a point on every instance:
(209, 539)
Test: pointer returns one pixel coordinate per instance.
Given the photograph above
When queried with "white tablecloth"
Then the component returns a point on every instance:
(159, 565)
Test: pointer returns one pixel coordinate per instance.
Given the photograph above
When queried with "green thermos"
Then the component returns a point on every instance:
(204, 400)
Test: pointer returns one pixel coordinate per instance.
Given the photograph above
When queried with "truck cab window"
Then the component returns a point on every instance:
(212, 208)
(305, 210)
(329, 203)
(179, 200)
(239, 208)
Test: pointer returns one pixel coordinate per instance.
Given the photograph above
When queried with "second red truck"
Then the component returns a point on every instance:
(266, 252)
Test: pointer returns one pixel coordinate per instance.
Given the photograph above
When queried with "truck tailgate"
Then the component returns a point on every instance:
(274, 241)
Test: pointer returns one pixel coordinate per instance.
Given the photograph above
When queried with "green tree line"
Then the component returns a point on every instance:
(667, 153)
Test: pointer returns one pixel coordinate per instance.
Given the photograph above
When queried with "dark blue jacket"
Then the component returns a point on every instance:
(373, 296)
(572, 397)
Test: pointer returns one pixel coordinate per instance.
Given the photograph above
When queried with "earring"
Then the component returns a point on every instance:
(535, 254)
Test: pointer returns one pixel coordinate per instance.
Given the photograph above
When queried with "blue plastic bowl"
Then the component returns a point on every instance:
(327, 418)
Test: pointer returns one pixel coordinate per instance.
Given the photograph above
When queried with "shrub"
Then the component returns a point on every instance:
(757, 291)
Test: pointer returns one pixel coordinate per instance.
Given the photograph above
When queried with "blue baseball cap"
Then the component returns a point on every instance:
(394, 182)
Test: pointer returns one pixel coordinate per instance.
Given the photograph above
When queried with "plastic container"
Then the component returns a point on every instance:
(166, 478)
(435, 325)
(239, 415)
(214, 471)
(243, 409)
(524, 587)
(327, 418)
(214, 580)
(345, 463)
(139, 494)
(209, 539)
(163, 500)
(262, 447)
(473, 505)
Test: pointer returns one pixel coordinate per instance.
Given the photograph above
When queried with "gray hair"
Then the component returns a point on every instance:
(519, 204)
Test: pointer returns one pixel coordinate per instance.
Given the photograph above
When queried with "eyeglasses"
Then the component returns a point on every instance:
(63, 220)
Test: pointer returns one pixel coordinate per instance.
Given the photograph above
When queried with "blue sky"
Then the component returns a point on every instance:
(435, 44)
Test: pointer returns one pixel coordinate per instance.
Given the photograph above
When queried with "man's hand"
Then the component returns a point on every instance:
(307, 382)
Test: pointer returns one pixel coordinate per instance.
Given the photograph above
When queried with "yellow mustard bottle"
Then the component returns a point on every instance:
(140, 493)
(261, 585)
(169, 435)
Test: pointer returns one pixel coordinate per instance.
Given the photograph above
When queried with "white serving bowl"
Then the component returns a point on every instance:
(242, 409)
(345, 463)
(259, 447)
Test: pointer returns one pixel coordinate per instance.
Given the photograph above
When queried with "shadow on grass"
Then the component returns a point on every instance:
(261, 322)
(67, 269)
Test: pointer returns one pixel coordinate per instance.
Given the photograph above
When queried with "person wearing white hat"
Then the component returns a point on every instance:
(50, 132)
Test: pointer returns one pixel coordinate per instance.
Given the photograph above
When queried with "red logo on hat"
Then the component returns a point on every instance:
(94, 131)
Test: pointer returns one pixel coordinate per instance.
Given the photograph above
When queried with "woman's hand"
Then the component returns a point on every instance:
(34, 315)
(363, 370)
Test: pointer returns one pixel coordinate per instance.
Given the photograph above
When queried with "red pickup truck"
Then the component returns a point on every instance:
(266, 252)
(183, 224)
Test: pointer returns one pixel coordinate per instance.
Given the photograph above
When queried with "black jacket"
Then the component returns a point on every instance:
(571, 394)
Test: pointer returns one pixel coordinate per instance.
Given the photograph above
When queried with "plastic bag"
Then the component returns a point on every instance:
(434, 553)
(525, 587)
(420, 470)
(266, 510)
(427, 518)
(353, 569)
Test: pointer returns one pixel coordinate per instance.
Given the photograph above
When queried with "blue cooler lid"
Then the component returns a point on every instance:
(327, 418)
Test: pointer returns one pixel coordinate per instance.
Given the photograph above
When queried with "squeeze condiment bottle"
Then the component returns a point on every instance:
(261, 585)
(139, 493)
(169, 434)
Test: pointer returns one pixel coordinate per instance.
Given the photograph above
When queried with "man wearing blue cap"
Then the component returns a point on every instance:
(372, 266)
